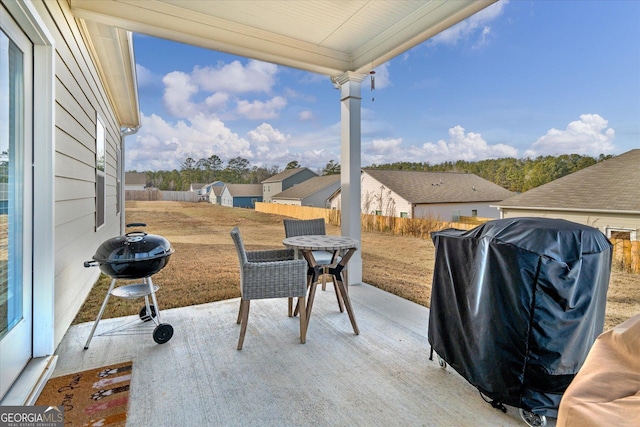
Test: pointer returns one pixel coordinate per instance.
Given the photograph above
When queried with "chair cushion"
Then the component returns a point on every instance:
(323, 257)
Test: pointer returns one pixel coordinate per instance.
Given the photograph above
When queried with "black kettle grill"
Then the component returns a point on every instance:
(136, 255)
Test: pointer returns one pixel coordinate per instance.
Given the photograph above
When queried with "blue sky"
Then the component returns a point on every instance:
(519, 79)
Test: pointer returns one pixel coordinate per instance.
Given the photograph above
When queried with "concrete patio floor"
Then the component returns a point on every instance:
(382, 377)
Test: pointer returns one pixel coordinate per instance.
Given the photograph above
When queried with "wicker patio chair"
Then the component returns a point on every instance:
(324, 259)
(269, 274)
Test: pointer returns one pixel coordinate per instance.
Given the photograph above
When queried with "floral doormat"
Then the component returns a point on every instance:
(98, 397)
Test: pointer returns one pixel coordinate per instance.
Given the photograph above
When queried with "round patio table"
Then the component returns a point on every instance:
(343, 245)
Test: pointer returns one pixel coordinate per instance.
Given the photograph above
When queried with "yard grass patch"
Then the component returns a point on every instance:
(204, 267)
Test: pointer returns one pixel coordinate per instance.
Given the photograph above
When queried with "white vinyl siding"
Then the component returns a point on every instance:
(445, 211)
(376, 197)
(603, 221)
(79, 99)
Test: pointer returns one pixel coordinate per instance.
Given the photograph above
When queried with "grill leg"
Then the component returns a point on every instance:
(104, 305)
(155, 301)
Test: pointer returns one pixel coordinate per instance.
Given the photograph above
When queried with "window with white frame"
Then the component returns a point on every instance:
(101, 195)
(621, 233)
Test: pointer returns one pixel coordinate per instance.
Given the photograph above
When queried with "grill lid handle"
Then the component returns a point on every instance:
(136, 224)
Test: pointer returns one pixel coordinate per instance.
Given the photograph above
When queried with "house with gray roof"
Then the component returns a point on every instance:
(312, 192)
(216, 193)
(241, 195)
(284, 180)
(135, 180)
(440, 195)
(605, 195)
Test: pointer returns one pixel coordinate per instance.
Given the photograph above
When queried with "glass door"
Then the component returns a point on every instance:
(15, 201)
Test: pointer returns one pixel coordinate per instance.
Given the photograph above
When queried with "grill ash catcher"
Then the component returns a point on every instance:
(136, 255)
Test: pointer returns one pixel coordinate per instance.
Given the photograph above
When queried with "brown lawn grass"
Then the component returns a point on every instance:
(204, 267)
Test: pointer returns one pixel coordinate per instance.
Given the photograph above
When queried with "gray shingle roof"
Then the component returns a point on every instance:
(217, 189)
(245, 190)
(611, 185)
(285, 174)
(308, 187)
(135, 178)
(439, 187)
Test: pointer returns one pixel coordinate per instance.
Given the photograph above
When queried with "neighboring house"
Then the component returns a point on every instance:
(605, 195)
(195, 187)
(441, 195)
(72, 86)
(312, 192)
(241, 195)
(284, 180)
(205, 190)
(216, 193)
(135, 180)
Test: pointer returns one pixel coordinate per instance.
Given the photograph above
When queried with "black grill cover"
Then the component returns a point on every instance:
(516, 305)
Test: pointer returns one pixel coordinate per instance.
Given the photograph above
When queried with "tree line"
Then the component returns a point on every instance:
(514, 174)
(237, 170)
(517, 175)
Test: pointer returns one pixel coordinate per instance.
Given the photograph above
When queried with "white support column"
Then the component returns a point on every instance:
(350, 117)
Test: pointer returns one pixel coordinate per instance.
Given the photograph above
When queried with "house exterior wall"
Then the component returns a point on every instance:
(448, 211)
(301, 176)
(318, 199)
(377, 199)
(79, 100)
(287, 202)
(269, 189)
(226, 199)
(246, 202)
(604, 221)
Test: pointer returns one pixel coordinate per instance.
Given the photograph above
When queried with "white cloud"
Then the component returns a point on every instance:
(476, 27)
(587, 136)
(467, 146)
(259, 110)
(146, 77)
(305, 116)
(460, 146)
(265, 133)
(160, 145)
(217, 101)
(256, 76)
(208, 90)
(385, 145)
(177, 94)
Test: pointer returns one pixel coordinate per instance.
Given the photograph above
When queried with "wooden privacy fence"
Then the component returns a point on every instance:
(626, 253)
(417, 227)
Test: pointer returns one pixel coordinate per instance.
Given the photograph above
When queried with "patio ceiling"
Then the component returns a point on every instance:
(326, 37)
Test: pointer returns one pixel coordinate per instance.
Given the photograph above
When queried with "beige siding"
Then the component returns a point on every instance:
(286, 202)
(79, 97)
(446, 211)
(376, 197)
(601, 221)
(270, 189)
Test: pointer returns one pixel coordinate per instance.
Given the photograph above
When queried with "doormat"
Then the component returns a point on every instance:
(97, 397)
